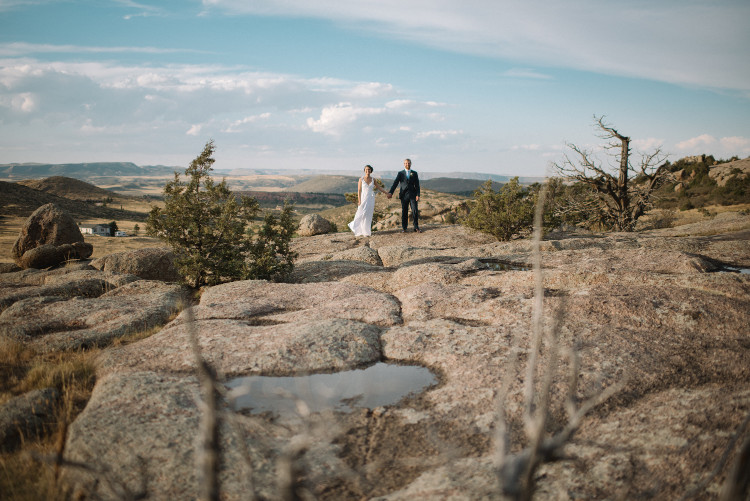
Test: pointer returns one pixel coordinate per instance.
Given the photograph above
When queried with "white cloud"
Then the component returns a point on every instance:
(20, 49)
(372, 89)
(724, 147)
(648, 144)
(688, 43)
(736, 143)
(234, 126)
(334, 120)
(24, 102)
(439, 134)
(704, 140)
(88, 128)
(526, 147)
(526, 73)
(403, 104)
(160, 106)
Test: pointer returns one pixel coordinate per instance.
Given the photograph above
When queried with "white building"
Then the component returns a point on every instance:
(95, 229)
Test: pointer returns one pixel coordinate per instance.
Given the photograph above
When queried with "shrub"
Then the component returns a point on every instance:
(663, 219)
(205, 224)
(687, 204)
(270, 254)
(502, 214)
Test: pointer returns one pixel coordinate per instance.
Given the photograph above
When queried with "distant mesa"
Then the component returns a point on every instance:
(80, 170)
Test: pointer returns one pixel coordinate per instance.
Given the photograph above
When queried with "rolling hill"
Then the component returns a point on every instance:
(327, 184)
(72, 189)
(459, 186)
(271, 199)
(20, 201)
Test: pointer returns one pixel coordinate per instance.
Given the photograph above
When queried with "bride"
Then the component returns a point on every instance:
(366, 204)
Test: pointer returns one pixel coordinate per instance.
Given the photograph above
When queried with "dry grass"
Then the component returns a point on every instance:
(31, 473)
(691, 216)
(22, 477)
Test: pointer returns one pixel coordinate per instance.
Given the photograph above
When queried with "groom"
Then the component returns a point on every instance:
(408, 181)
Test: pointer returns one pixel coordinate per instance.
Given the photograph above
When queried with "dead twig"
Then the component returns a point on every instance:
(516, 472)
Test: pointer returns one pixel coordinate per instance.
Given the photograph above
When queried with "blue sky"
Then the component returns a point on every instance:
(491, 86)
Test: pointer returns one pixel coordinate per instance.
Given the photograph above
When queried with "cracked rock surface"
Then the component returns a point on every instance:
(652, 310)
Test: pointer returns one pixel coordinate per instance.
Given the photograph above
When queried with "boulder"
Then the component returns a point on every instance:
(364, 253)
(152, 263)
(26, 416)
(314, 224)
(55, 231)
(48, 255)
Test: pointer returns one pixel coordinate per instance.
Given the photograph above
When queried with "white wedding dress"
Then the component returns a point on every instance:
(361, 226)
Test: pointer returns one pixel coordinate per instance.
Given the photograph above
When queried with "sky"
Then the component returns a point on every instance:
(494, 86)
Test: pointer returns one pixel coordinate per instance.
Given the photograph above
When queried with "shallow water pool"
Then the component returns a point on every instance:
(375, 386)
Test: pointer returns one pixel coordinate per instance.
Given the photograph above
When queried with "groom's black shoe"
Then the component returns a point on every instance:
(417, 230)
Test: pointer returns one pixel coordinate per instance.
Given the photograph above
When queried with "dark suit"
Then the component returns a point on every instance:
(409, 191)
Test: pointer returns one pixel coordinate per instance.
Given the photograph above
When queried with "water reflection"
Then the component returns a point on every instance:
(736, 269)
(378, 385)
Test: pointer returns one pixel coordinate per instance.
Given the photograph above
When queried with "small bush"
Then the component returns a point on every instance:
(705, 212)
(502, 214)
(664, 219)
(687, 205)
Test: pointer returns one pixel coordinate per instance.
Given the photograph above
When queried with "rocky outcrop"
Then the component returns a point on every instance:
(79, 284)
(72, 309)
(739, 170)
(653, 311)
(314, 224)
(152, 263)
(49, 237)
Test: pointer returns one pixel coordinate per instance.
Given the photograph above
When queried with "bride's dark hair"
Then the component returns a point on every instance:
(370, 166)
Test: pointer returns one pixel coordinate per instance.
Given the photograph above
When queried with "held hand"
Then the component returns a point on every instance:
(416, 198)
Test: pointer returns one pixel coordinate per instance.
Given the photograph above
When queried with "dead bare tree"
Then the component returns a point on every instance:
(616, 195)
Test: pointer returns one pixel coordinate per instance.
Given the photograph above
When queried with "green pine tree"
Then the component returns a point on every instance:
(206, 225)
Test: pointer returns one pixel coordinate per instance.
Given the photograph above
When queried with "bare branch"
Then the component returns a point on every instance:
(209, 453)
(516, 473)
